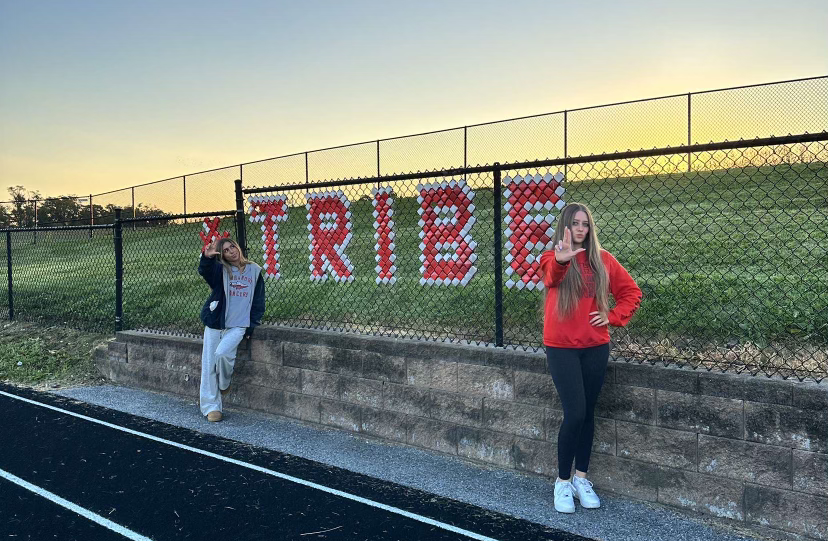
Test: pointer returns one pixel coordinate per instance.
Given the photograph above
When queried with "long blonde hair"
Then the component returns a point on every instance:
(572, 286)
(243, 261)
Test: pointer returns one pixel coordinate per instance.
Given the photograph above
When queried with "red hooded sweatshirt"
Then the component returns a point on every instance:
(576, 331)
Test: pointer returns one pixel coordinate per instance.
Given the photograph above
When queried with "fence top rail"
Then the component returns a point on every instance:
(158, 218)
(684, 149)
(57, 228)
(46, 199)
(374, 141)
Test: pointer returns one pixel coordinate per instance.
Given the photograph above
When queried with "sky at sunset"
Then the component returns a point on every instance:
(97, 95)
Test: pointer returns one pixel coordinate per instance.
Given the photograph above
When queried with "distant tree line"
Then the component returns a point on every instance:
(28, 208)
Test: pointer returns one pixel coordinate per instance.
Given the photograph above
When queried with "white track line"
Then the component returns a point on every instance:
(254, 467)
(85, 513)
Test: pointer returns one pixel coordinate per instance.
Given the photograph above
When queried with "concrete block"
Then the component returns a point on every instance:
(181, 360)
(513, 418)
(361, 391)
(523, 361)
(323, 384)
(456, 408)
(604, 440)
(183, 383)
(243, 351)
(701, 493)
(433, 374)
(787, 426)
(341, 415)
(625, 477)
(627, 403)
(552, 419)
(702, 414)
(746, 461)
(146, 354)
(259, 398)
(383, 367)
(486, 381)
(406, 399)
(433, 434)
(303, 407)
(536, 389)
(811, 395)
(658, 445)
(347, 362)
(268, 375)
(810, 472)
(657, 377)
(746, 387)
(266, 351)
(117, 351)
(287, 378)
(535, 456)
(306, 356)
(486, 446)
(610, 374)
(804, 514)
(389, 425)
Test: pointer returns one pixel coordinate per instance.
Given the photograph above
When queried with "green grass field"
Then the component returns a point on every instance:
(735, 256)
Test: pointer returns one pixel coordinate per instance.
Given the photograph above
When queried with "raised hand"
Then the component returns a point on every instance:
(563, 250)
(210, 250)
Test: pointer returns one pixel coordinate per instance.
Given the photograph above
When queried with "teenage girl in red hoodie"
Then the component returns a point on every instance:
(579, 277)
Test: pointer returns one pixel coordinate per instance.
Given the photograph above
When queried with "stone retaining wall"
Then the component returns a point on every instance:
(746, 448)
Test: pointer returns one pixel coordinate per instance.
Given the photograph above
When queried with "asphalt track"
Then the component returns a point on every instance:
(71, 470)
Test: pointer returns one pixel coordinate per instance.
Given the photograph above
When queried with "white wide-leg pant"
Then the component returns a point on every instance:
(218, 357)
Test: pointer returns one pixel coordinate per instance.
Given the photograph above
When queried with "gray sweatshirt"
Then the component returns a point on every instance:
(239, 287)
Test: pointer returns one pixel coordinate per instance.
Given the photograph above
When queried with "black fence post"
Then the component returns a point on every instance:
(465, 146)
(91, 215)
(689, 131)
(566, 143)
(498, 257)
(9, 259)
(133, 207)
(119, 273)
(378, 164)
(184, 188)
(241, 236)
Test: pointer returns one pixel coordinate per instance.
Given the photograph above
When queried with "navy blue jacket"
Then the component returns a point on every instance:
(213, 273)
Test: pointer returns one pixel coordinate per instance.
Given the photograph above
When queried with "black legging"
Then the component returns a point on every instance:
(578, 374)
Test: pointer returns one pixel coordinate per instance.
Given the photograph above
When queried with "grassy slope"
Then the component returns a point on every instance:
(32, 354)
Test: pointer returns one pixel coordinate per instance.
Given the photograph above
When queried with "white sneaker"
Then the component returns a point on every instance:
(563, 497)
(583, 491)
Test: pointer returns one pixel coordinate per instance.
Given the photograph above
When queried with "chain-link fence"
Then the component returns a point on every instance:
(731, 254)
(63, 275)
(161, 290)
(727, 241)
(134, 273)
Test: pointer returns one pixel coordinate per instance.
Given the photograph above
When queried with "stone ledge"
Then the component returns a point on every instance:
(414, 349)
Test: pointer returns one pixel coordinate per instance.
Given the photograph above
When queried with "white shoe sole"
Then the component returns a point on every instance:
(587, 506)
(567, 511)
